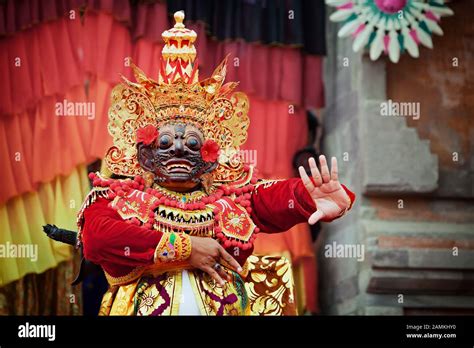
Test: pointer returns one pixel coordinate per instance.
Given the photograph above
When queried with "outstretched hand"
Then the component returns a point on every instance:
(327, 193)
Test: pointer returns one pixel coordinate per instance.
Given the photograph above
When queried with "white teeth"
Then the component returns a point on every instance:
(183, 166)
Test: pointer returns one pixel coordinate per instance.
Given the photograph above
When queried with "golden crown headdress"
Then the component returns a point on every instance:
(179, 96)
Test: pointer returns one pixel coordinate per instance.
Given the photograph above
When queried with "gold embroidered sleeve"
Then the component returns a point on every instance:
(173, 247)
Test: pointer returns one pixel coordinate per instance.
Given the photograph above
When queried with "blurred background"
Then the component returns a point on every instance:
(309, 94)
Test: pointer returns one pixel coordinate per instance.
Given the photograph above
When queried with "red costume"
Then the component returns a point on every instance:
(106, 234)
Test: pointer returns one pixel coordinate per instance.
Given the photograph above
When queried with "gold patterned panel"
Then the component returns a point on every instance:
(270, 286)
(118, 300)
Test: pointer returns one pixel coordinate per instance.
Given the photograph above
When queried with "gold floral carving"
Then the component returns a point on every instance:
(270, 286)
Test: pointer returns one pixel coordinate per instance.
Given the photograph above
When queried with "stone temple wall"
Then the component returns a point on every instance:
(414, 177)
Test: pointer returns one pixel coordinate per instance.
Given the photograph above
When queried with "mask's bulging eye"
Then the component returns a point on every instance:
(165, 141)
(193, 143)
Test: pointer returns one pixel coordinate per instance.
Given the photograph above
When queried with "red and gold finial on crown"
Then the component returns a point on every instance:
(178, 54)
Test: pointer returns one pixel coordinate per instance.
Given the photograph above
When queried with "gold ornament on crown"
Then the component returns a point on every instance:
(178, 96)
